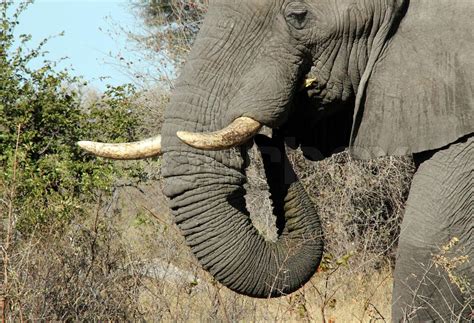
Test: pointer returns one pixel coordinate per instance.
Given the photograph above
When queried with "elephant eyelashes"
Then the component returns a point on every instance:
(297, 18)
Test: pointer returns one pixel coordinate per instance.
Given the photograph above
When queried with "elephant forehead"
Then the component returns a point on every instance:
(251, 6)
(246, 16)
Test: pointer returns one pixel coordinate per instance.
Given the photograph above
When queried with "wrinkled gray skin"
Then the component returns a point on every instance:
(393, 78)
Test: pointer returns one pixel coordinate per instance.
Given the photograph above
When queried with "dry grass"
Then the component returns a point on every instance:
(128, 261)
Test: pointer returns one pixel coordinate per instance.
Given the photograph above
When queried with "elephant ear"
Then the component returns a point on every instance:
(420, 94)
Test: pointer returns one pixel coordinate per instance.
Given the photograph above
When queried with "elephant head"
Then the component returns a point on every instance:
(246, 70)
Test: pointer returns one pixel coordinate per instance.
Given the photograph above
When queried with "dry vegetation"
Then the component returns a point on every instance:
(127, 261)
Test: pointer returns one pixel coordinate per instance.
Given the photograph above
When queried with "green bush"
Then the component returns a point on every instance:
(42, 171)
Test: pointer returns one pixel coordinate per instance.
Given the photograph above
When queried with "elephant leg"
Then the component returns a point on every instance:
(436, 247)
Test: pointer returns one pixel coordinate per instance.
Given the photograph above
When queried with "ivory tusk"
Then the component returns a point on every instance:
(235, 134)
(124, 151)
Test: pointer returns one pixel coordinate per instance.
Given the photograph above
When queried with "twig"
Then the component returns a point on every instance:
(8, 238)
(96, 233)
(221, 303)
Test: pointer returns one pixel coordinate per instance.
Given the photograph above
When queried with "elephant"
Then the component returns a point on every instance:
(378, 77)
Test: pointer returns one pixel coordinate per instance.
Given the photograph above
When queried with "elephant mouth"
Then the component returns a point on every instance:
(243, 128)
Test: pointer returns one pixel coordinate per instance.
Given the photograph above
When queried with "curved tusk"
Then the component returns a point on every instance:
(124, 151)
(235, 134)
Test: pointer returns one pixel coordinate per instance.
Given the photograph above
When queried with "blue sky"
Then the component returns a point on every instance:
(86, 41)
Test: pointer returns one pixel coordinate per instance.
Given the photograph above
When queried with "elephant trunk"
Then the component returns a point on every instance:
(207, 199)
(210, 212)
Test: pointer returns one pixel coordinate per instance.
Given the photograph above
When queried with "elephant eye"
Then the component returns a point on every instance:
(296, 17)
